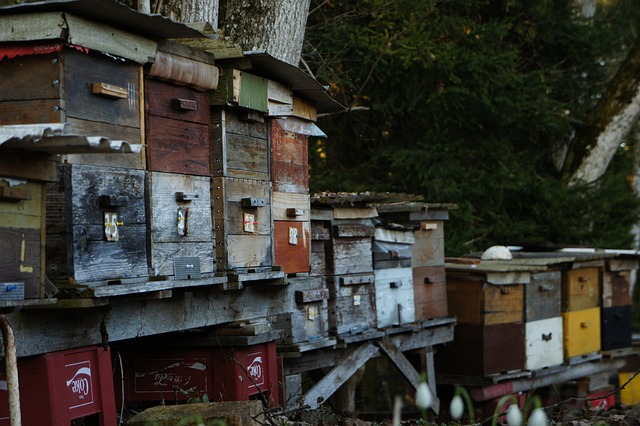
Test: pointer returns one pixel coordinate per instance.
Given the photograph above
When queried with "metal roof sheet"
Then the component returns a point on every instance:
(112, 13)
(55, 138)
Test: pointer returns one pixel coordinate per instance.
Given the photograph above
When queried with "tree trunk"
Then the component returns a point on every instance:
(609, 123)
(196, 11)
(275, 26)
(587, 8)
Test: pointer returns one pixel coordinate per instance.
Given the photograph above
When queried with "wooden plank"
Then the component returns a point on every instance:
(353, 231)
(34, 26)
(177, 146)
(543, 296)
(315, 295)
(279, 92)
(29, 166)
(179, 228)
(292, 246)
(322, 390)
(394, 236)
(91, 256)
(168, 100)
(303, 108)
(394, 297)
(581, 289)
(289, 160)
(290, 207)
(616, 288)
(430, 292)
(354, 213)
(407, 370)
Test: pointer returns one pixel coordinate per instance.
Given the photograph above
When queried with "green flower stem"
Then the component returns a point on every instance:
(460, 390)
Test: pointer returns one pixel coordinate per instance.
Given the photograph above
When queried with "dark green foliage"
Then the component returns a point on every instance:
(466, 102)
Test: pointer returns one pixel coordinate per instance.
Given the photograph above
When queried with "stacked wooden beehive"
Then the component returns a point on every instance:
(617, 302)
(343, 235)
(427, 257)
(487, 300)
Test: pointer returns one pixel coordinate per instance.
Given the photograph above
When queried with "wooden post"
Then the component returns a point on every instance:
(339, 375)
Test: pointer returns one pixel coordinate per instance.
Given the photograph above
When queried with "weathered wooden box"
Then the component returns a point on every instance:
(320, 238)
(394, 297)
(97, 225)
(616, 327)
(240, 145)
(289, 160)
(543, 343)
(352, 304)
(581, 332)
(291, 232)
(177, 128)
(242, 217)
(428, 249)
(616, 288)
(480, 349)
(308, 316)
(473, 300)
(350, 251)
(95, 94)
(180, 225)
(543, 296)
(392, 248)
(430, 292)
(581, 289)
(22, 235)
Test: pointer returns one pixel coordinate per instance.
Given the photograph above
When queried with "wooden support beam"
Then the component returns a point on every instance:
(407, 370)
(339, 375)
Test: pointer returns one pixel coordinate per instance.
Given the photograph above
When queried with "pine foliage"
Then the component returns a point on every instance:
(467, 102)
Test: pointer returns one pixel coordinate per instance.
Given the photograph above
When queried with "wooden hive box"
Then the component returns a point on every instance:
(291, 231)
(430, 292)
(616, 288)
(581, 289)
(543, 343)
(581, 332)
(350, 249)
(22, 239)
(394, 297)
(392, 248)
(616, 327)
(180, 225)
(177, 128)
(480, 350)
(473, 299)
(543, 296)
(428, 249)
(352, 304)
(95, 94)
(308, 316)
(97, 226)
(320, 238)
(242, 217)
(240, 144)
(289, 158)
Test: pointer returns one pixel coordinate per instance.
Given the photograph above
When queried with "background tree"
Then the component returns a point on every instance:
(466, 102)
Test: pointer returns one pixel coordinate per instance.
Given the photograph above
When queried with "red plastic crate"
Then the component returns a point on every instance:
(243, 373)
(161, 374)
(58, 387)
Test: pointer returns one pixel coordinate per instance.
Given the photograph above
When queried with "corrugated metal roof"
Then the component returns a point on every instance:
(111, 13)
(55, 138)
(265, 65)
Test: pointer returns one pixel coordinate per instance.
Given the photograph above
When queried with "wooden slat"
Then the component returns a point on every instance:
(322, 390)
(407, 370)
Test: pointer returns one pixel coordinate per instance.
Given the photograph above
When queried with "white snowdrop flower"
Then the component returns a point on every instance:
(538, 417)
(456, 408)
(424, 399)
(514, 415)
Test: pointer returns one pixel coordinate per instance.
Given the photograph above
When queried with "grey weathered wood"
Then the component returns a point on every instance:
(235, 247)
(339, 375)
(239, 148)
(407, 370)
(165, 242)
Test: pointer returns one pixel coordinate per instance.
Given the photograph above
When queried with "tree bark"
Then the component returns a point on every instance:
(609, 123)
(275, 26)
